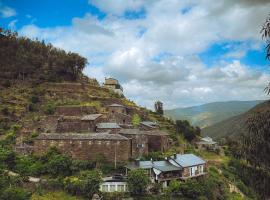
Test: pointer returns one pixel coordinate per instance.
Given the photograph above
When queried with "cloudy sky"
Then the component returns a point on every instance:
(182, 52)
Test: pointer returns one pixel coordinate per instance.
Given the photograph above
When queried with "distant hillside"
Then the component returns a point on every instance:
(236, 125)
(211, 113)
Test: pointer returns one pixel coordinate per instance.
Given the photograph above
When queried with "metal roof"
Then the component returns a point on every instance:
(165, 166)
(107, 125)
(91, 117)
(186, 160)
(80, 136)
(140, 132)
(206, 142)
(207, 139)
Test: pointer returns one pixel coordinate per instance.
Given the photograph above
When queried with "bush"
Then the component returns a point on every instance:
(59, 165)
(14, 193)
(34, 99)
(50, 109)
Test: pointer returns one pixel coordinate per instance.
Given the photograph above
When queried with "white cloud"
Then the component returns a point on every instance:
(12, 24)
(7, 12)
(156, 57)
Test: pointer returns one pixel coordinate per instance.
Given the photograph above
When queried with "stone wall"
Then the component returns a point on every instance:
(87, 149)
(75, 110)
(158, 143)
(139, 144)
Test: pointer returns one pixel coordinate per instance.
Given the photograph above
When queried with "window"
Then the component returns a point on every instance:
(61, 143)
(90, 142)
(120, 188)
(112, 188)
(201, 169)
(108, 143)
(118, 143)
(43, 142)
(80, 143)
(105, 188)
(99, 142)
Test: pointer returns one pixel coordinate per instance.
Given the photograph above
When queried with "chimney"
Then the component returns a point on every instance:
(174, 155)
(137, 162)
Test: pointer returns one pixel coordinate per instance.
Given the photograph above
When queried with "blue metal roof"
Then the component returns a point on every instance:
(187, 160)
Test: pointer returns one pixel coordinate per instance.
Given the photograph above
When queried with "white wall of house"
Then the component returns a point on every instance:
(113, 187)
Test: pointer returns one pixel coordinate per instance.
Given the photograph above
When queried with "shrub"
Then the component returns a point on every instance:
(14, 193)
(49, 109)
(34, 99)
(6, 83)
(59, 165)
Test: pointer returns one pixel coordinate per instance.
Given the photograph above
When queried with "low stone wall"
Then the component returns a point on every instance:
(75, 110)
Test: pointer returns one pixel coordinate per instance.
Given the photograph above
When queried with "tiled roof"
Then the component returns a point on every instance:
(107, 125)
(80, 136)
(91, 117)
(187, 160)
(116, 105)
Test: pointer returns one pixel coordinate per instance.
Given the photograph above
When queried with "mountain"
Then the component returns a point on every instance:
(208, 114)
(234, 126)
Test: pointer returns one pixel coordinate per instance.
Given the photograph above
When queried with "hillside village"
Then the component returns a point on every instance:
(65, 136)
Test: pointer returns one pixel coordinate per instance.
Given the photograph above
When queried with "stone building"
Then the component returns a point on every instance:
(113, 84)
(119, 118)
(139, 142)
(146, 141)
(86, 123)
(86, 146)
(112, 128)
(158, 140)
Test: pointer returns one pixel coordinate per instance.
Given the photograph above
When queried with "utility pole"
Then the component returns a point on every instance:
(115, 155)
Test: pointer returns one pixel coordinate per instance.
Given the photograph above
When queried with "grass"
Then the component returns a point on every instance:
(57, 195)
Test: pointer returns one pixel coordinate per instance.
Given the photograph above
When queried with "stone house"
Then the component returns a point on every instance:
(139, 142)
(113, 85)
(119, 118)
(158, 140)
(207, 143)
(85, 146)
(86, 123)
(176, 167)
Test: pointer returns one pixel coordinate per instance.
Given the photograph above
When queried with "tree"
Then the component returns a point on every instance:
(90, 182)
(188, 131)
(59, 165)
(159, 107)
(137, 181)
(136, 120)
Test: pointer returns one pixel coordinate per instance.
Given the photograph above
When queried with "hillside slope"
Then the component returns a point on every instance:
(234, 126)
(211, 113)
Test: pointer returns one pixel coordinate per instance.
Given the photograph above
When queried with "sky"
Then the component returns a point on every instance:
(181, 52)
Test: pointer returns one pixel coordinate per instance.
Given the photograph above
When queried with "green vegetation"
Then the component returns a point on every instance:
(137, 182)
(189, 132)
(136, 120)
(24, 59)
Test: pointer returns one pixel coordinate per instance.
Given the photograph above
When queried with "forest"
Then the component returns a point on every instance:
(25, 59)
